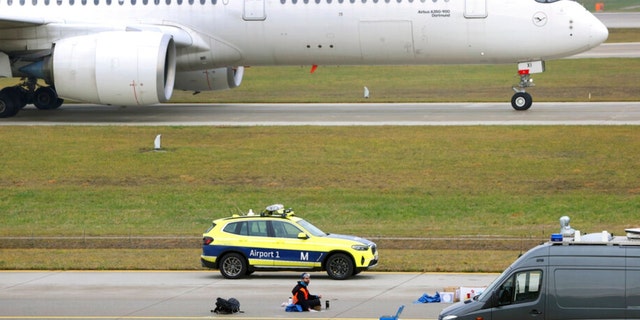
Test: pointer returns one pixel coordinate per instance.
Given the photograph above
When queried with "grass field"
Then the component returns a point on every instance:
(369, 181)
(565, 80)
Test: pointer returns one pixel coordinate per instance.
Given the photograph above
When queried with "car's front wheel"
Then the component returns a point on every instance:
(340, 266)
(233, 266)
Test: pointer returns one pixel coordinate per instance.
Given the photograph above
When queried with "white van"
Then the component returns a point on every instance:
(565, 279)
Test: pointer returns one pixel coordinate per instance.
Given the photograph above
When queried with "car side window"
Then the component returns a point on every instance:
(239, 228)
(521, 287)
(283, 229)
(258, 228)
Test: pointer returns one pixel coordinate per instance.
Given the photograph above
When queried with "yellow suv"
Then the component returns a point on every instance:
(278, 240)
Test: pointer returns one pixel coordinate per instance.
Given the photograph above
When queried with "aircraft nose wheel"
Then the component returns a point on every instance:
(521, 101)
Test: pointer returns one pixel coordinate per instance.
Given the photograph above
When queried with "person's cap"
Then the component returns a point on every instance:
(305, 275)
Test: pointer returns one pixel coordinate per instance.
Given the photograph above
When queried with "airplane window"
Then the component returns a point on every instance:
(329, 1)
(34, 2)
(71, 2)
(133, 2)
(84, 2)
(108, 2)
(96, 2)
(317, 1)
(168, 2)
(120, 2)
(190, 2)
(22, 2)
(214, 1)
(352, 1)
(340, 1)
(202, 2)
(46, 2)
(179, 2)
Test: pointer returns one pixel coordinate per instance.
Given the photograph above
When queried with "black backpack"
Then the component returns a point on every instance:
(224, 306)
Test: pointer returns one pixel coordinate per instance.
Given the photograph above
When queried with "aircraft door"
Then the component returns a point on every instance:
(475, 9)
(254, 10)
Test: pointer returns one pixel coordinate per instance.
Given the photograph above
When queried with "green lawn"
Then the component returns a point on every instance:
(372, 181)
(564, 80)
(368, 181)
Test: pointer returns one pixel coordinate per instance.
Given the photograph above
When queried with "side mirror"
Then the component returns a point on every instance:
(302, 236)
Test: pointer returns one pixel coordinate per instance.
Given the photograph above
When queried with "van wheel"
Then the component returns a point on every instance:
(233, 266)
(340, 266)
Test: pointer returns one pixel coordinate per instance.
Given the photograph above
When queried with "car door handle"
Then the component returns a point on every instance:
(535, 312)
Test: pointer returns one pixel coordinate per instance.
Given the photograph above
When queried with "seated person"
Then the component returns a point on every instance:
(303, 298)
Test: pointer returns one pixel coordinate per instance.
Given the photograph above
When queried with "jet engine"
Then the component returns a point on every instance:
(119, 67)
(210, 79)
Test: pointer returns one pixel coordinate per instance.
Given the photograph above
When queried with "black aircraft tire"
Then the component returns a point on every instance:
(521, 101)
(7, 106)
(45, 98)
(18, 94)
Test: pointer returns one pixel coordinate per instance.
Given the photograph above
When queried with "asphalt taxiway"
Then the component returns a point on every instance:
(327, 114)
(191, 295)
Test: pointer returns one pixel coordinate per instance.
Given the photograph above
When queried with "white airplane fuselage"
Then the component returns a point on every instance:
(211, 34)
(270, 32)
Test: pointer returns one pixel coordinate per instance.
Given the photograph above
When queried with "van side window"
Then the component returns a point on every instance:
(521, 287)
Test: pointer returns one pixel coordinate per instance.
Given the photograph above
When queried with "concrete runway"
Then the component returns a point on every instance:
(191, 295)
(360, 114)
(619, 19)
(611, 50)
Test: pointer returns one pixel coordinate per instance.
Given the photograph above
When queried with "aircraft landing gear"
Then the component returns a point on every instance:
(8, 105)
(46, 98)
(12, 99)
(522, 100)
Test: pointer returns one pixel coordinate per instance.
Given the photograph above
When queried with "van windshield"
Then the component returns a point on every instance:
(486, 294)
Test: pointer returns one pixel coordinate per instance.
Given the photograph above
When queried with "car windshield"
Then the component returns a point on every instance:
(311, 228)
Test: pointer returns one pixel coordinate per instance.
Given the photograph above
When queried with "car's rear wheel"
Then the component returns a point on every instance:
(233, 266)
(340, 266)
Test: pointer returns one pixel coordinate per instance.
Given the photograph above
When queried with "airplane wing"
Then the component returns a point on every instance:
(12, 22)
(182, 36)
